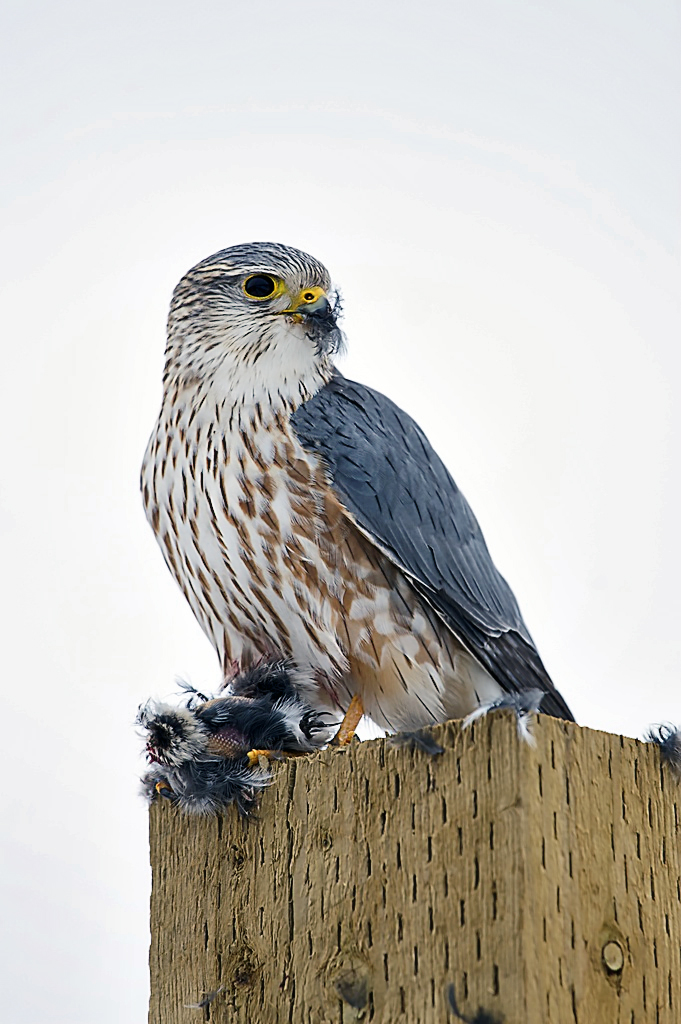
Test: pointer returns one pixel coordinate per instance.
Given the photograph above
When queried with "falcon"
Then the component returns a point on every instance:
(306, 517)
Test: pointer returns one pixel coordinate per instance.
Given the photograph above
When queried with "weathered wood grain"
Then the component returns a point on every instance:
(544, 883)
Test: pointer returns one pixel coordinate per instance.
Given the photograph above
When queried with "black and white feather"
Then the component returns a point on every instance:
(668, 738)
(524, 705)
(481, 1017)
(199, 751)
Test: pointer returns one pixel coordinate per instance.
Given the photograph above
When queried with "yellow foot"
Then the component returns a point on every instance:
(349, 723)
(259, 756)
(163, 789)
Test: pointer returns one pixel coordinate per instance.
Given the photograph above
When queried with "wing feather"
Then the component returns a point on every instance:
(401, 496)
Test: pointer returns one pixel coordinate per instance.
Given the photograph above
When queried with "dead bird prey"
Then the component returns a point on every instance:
(208, 754)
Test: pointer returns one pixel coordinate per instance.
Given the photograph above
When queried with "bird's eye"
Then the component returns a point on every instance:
(260, 286)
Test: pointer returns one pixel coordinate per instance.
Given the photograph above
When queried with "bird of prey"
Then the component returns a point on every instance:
(207, 754)
(306, 516)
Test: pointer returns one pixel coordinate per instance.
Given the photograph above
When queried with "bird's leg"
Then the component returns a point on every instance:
(253, 756)
(163, 789)
(349, 723)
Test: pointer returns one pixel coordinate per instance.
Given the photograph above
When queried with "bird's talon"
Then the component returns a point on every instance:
(163, 789)
(348, 726)
(261, 757)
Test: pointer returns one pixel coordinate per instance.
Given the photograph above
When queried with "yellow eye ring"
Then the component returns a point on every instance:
(262, 286)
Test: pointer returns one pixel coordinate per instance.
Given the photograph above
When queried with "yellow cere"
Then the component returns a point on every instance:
(306, 298)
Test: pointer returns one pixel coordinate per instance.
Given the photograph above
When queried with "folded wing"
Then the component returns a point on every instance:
(398, 492)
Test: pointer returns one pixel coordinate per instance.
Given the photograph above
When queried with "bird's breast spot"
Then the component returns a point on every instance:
(384, 624)
(418, 624)
(407, 645)
(362, 609)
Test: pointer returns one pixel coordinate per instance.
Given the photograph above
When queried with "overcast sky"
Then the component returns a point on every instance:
(493, 185)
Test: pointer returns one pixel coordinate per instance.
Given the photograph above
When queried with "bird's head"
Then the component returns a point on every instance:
(173, 735)
(252, 318)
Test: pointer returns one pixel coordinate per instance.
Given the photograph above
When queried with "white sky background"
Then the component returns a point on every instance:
(493, 186)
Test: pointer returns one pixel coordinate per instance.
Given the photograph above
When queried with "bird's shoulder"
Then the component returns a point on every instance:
(396, 489)
(394, 484)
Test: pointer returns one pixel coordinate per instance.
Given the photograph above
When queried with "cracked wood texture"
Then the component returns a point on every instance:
(542, 882)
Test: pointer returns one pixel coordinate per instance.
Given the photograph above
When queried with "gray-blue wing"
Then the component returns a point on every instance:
(399, 492)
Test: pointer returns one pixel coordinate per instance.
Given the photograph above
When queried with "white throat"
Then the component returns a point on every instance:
(234, 367)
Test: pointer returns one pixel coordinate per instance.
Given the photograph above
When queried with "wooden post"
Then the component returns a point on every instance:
(543, 883)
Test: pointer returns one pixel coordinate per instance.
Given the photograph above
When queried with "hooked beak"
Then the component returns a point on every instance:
(312, 307)
(310, 302)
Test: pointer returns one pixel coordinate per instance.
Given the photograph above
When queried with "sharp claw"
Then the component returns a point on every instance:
(255, 757)
(163, 789)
